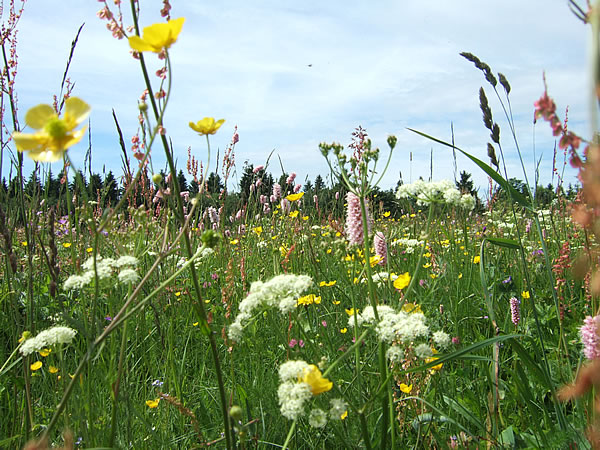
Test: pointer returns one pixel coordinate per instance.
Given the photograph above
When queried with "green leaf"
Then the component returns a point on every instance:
(504, 242)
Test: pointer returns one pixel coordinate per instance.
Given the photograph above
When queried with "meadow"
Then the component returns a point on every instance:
(164, 309)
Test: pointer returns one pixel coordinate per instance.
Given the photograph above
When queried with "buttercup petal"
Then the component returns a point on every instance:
(76, 111)
(39, 115)
(139, 45)
(46, 155)
(26, 141)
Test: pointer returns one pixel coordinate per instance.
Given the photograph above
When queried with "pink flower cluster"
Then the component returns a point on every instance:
(546, 108)
(354, 227)
(515, 311)
(590, 338)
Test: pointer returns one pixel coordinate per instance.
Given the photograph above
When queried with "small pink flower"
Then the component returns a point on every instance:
(292, 343)
(324, 323)
(354, 227)
(258, 169)
(380, 248)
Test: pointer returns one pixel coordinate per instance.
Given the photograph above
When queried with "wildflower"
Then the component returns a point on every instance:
(55, 135)
(380, 248)
(66, 244)
(338, 408)
(294, 197)
(281, 291)
(47, 338)
(514, 311)
(312, 376)
(395, 354)
(402, 281)
(344, 330)
(423, 351)
(293, 214)
(327, 283)
(52, 369)
(317, 418)
(128, 275)
(476, 259)
(309, 300)
(157, 37)
(152, 403)
(126, 260)
(590, 338)
(45, 352)
(36, 365)
(206, 126)
(406, 389)
(354, 226)
(525, 295)
(441, 339)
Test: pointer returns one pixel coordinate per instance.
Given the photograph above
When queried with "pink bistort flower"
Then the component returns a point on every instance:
(354, 227)
(589, 337)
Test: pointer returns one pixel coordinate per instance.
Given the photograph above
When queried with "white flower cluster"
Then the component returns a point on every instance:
(47, 338)
(293, 394)
(104, 267)
(281, 291)
(436, 192)
(393, 326)
(383, 277)
(410, 244)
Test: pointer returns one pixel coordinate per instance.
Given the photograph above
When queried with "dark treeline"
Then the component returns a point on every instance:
(255, 189)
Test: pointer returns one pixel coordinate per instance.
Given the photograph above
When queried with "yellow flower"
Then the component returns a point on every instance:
(327, 283)
(36, 365)
(406, 389)
(336, 302)
(304, 217)
(52, 369)
(294, 197)
(24, 243)
(344, 415)
(294, 214)
(351, 311)
(153, 403)
(66, 244)
(89, 249)
(157, 37)
(45, 352)
(309, 300)
(374, 260)
(344, 330)
(386, 214)
(207, 125)
(26, 335)
(476, 259)
(402, 281)
(195, 324)
(434, 368)
(257, 230)
(234, 242)
(412, 308)
(313, 377)
(525, 295)
(54, 135)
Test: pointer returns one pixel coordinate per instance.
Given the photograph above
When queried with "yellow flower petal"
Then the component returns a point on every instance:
(402, 281)
(294, 197)
(157, 37)
(38, 116)
(406, 389)
(52, 369)
(76, 111)
(36, 365)
(206, 125)
(152, 403)
(45, 352)
(313, 377)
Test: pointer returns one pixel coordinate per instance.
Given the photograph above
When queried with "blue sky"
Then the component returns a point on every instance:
(293, 74)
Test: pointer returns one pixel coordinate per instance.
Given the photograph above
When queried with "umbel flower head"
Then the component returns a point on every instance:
(208, 125)
(157, 37)
(54, 135)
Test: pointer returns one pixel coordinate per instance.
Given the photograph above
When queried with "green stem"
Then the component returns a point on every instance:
(289, 435)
